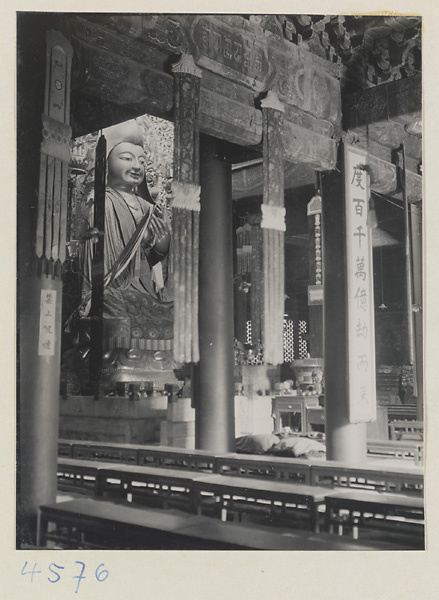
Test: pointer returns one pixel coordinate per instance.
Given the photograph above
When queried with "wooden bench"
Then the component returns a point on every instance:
(406, 430)
(136, 483)
(65, 448)
(148, 455)
(78, 475)
(402, 480)
(270, 498)
(176, 458)
(266, 467)
(405, 449)
(400, 412)
(361, 507)
(94, 524)
(109, 452)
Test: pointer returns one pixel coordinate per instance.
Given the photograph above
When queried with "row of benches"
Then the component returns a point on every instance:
(144, 454)
(406, 479)
(219, 494)
(97, 524)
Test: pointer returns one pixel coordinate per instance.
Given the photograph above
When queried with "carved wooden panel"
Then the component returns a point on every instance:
(229, 120)
(303, 80)
(301, 145)
(230, 46)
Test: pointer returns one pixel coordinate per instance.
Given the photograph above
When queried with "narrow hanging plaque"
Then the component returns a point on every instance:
(46, 338)
(360, 300)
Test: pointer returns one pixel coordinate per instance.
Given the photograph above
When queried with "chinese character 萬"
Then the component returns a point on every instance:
(360, 273)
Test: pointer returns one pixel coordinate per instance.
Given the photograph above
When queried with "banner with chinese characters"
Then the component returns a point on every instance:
(46, 340)
(360, 301)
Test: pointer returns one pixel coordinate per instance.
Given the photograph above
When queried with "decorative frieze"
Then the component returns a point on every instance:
(165, 31)
(229, 120)
(397, 101)
(235, 52)
(123, 81)
(97, 36)
(301, 145)
(238, 59)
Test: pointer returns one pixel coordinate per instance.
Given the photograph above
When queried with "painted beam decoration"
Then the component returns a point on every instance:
(361, 336)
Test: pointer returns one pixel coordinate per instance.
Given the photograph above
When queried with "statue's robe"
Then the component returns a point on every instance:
(137, 311)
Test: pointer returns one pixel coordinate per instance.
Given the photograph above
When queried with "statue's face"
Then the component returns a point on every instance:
(126, 166)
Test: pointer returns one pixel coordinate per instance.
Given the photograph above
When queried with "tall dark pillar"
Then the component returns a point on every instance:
(344, 441)
(42, 168)
(214, 386)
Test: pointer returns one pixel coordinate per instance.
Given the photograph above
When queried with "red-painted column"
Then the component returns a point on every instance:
(214, 386)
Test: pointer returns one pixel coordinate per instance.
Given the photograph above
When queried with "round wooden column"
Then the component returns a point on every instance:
(38, 407)
(42, 167)
(345, 441)
(214, 386)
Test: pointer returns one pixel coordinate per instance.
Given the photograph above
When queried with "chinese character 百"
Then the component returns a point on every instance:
(359, 206)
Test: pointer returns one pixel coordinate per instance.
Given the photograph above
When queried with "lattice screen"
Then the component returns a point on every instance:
(292, 328)
(303, 345)
(288, 340)
(249, 332)
(289, 327)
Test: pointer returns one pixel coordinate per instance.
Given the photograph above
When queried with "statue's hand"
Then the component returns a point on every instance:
(158, 234)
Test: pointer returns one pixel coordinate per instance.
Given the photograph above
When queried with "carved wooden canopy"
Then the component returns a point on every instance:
(122, 68)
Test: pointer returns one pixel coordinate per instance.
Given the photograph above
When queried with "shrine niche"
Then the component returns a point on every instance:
(137, 345)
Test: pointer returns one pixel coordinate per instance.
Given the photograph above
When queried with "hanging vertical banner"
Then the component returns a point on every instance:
(360, 301)
(46, 339)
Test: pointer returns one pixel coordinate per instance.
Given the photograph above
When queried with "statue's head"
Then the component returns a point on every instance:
(125, 156)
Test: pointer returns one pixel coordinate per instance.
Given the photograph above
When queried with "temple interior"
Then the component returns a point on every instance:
(220, 285)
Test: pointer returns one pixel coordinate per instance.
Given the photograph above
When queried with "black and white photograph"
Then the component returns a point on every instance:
(220, 285)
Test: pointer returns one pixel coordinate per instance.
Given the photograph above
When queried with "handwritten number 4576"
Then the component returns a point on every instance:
(100, 574)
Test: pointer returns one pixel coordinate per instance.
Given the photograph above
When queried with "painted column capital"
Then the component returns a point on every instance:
(272, 101)
(186, 64)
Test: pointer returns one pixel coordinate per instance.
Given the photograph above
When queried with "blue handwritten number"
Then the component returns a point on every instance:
(80, 576)
(31, 573)
(101, 575)
(55, 573)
